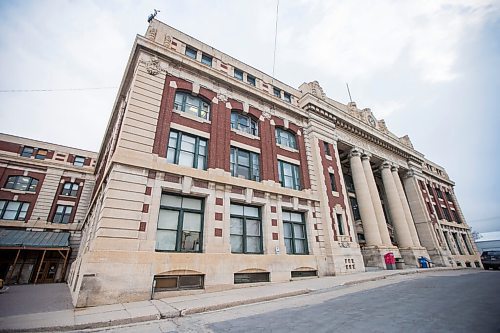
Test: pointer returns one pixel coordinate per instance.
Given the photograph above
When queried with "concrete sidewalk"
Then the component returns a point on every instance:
(125, 313)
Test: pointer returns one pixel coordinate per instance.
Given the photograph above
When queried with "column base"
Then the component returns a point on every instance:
(411, 255)
(373, 256)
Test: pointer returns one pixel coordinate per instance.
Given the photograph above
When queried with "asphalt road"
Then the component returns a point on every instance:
(454, 301)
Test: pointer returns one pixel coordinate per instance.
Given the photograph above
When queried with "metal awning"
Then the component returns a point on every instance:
(22, 239)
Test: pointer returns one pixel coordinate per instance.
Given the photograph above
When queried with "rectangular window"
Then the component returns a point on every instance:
(70, 189)
(340, 224)
(276, 92)
(300, 274)
(445, 233)
(289, 175)
(187, 150)
(21, 183)
(456, 216)
(294, 228)
(178, 282)
(79, 161)
(448, 196)
(250, 277)
(206, 59)
(467, 245)
(191, 52)
(63, 214)
(238, 73)
(438, 212)
(251, 80)
(27, 151)
(447, 215)
(245, 164)
(246, 229)
(332, 182)
(429, 189)
(355, 208)
(41, 154)
(13, 210)
(439, 193)
(287, 97)
(180, 224)
(327, 149)
(457, 243)
(349, 184)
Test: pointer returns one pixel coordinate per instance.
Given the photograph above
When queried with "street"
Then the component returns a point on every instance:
(453, 301)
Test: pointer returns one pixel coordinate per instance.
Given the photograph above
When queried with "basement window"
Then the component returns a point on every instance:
(300, 274)
(177, 282)
(250, 277)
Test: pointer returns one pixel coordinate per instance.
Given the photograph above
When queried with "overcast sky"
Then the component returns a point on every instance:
(431, 69)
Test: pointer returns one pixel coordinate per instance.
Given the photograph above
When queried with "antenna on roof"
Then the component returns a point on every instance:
(152, 16)
(347, 84)
(275, 35)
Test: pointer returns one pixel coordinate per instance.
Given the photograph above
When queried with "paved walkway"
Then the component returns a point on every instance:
(125, 313)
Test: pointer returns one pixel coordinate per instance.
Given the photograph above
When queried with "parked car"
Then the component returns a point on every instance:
(490, 259)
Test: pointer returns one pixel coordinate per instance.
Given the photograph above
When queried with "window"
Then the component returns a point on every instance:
(332, 182)
(287, 97)
(177, 282)
(301, 274)
(327, 149)
(276, 92)
(206, 59)
(70, 189)
(456, 217)
(27, 151)
(285, 138)
(448, 196)
(452, 250)
(251, 80)
(187, 150)
(457, 243)
(180, 224)
(245, 164)
(349, 184)
(355, 208)
(79, 161)
(246, 235)
(251, 277)
(429, 189)
(289, 175)
(13, 210)
(340, 224)
(192, 105)
(439, 193)
(244, 123)
(63, 213)
(238, 73)
(21, 183)
(438, 212)
(41, 154)
(294, 228)
(467, 245)
(447, 214)
(191, 52)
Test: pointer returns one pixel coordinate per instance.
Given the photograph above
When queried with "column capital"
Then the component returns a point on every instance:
(394, 168)
(354, 152)
(386, 165)
(366, 155)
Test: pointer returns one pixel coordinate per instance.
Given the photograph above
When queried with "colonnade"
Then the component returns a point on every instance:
(370, 206)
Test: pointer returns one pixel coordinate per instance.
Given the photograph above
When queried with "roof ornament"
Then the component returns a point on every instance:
(152, 16)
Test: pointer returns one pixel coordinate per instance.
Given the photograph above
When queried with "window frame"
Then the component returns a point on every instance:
(293, 251)
(296, 175)
(253, 129)
(190, 48)
(41, 154)
(24, 151)
(63, 214)
(16, 182)
(333, 183)
(182, 107)
(277, 92)
(277, 133)
(4, 205)
(180, 222)
(177, 150)
(79, 164)
(340, 224)
(204, 57)
(356, 215)
(287, 97)
(326, 145)
(237, 76)
(244, 229)
(234, 164)
(251, 80)
(69, 192)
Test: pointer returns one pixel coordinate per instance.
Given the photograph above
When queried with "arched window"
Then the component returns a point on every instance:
(286, 138)
(244, 123)
(22, 183)
(190, 104)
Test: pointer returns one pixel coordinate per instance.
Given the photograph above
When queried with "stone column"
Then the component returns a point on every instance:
(377, 205)
(395, 207)
(406, 208)
(368, 217)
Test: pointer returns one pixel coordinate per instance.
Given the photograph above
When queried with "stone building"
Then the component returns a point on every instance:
(44, 197)
(212, 174)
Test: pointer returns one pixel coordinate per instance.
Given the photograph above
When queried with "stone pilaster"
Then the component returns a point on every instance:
(363, 196)
(395, 208)
(377, 205)
(406, 208)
